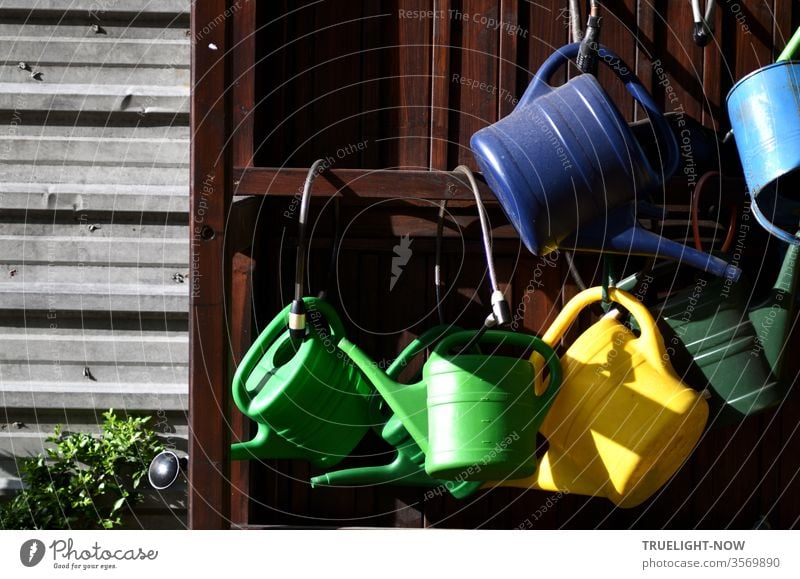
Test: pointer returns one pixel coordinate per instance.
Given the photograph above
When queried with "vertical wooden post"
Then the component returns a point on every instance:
(209, 496)
(241, 322)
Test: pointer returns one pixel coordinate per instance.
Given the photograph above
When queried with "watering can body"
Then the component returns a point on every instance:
(304, 393)
(735, 352)
(474, 416)
(623, 422)
(565, 155)
(408, 467)
(765, 117)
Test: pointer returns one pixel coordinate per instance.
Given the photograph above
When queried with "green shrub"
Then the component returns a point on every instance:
(84, 481)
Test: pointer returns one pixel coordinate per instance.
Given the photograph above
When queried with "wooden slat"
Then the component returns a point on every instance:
(615, 33)
(510, 34)
(240, 332)
(475, 107)
(243, 92)
(441, 83)
(681, 57)
(715, 83)
(433, 185)
(335, 105)
(209, 498)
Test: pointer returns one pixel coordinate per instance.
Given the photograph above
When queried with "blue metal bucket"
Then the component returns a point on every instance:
(764, 108)
(565, 155)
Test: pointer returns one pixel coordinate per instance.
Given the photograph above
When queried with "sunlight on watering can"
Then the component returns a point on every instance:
(474, 416)
(623, 423)
(408, 466)
(765, 119)
(309, 402)
(717, 342)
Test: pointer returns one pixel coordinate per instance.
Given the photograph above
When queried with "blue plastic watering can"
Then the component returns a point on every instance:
(565, 156)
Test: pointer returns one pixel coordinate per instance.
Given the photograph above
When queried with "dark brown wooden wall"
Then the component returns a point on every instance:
(336, 73)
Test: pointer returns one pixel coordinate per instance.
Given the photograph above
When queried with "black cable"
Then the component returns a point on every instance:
(297, 313)
(437, 268)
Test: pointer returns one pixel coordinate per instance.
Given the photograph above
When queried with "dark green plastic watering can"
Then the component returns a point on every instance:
(408, 467)
(716, 342)
(309, 401)
(475, 417)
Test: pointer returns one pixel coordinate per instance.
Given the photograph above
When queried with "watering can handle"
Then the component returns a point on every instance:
(514, 339)
(419, 344)
(269, 335)
(650, 337)
(539, 86)
(770, 227)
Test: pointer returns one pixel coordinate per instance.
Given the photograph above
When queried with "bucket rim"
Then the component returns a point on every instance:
(747, 77)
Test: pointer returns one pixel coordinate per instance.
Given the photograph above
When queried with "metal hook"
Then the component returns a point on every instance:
(703, 24)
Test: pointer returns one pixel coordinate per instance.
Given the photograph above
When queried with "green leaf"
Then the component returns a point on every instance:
(118, 505)
(70, 485)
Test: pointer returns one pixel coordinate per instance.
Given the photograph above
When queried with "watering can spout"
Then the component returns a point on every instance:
(772, 318)
(408, 400)
(620, 233)
(268, 445)
(400, 471)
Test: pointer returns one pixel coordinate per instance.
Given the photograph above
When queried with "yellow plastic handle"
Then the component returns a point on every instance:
(650, 338)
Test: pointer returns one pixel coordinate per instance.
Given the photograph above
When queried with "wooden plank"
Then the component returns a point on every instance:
(782, 28)
(410, 114)
(510, 35)
(645, 47)
(681, 57)
(209, 498)
(243, 91)
(441, 85)
(616, 34)
(769, 465)
(753, 39)
(241, 323)
(334, 107)
(475, 101)
(545, 29)
(715, 85)
(434, 185)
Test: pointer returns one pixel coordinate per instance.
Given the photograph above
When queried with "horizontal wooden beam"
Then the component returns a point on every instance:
(364, 183)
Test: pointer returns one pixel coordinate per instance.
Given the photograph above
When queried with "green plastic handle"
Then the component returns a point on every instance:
(268, 336)
(514, 339)
(791, 48)
(419, 344)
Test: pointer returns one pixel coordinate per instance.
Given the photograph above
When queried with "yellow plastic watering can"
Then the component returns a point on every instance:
(623, 422)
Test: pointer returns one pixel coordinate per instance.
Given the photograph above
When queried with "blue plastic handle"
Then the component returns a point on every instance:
(539, 86)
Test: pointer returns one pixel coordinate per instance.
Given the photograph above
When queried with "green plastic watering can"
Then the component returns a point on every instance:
(408, 467)
(309, 401)
(475, 417)
(716, 342)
